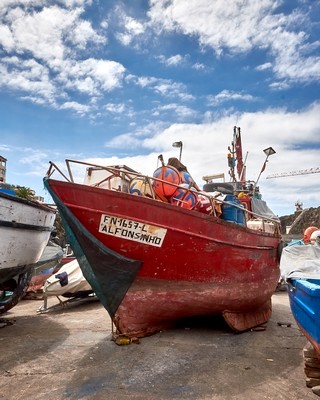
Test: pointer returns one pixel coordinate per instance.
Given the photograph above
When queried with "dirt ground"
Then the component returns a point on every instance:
(67, 353)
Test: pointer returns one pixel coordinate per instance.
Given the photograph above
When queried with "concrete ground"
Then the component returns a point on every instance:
(68, 354)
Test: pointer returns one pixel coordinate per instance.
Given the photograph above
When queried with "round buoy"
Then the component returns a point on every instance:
(168, 174)
(185, 197)
(315, 237)
(307, 234)
(140, 187)
(204, 204)
(186, 177)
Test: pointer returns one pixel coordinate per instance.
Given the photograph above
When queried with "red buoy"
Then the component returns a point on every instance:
(185, 197)
(204, 204)
(308, 232)
(168, 174)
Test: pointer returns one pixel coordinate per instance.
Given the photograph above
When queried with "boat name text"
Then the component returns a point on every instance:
(132, 230)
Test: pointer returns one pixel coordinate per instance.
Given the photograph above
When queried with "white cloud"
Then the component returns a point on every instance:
(293, 135)
(138, 138)
(205, 149)
(42, 45)
(164, 87)
(104, 24)
(264, 66)
(168, 88)
(219, 26)
(172, 61)
(84, 33)
(41, 33)
(239, 27)
(125, 141)
(142, 81)
(227, 95)
(131, 28)
(120, 110)
(28, 76)
(73, 3)
(4, 147)
(73, 105)
(6, 38)
(180, 111)
(115, 108)
(46, 33)
(199, 66)
(279, 85)
(91, 76)
(33, 156)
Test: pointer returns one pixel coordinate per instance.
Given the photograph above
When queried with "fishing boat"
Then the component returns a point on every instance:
(25, 228)
(156, 249)
(300, 268)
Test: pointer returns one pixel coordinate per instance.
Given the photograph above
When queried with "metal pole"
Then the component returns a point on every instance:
(262, 169)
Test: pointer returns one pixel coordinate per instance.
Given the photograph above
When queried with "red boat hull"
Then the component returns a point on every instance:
(152, 305)
(191, 263)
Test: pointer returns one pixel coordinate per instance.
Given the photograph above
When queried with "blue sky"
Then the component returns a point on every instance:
(119, 82)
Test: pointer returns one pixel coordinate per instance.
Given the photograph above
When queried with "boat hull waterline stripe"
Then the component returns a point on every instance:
(18, 225)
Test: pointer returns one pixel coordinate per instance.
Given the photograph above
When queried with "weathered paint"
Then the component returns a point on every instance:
(204, 266)
(304, 296)
(25, 229)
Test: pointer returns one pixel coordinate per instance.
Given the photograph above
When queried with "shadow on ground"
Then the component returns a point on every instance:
(200, 359)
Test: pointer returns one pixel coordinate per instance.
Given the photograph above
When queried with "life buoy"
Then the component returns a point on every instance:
(315, 237)
(185, 197)
(307, 234)
(168, 174)
(140, 187)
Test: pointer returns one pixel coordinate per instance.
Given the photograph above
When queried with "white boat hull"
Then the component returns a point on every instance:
(21, 247)
(25, 229)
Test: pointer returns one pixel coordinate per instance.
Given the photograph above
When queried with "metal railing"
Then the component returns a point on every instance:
(120, 172)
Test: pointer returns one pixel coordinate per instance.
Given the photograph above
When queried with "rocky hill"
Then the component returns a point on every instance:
(300, 220)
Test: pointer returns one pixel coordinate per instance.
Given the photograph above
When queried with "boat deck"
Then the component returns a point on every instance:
(68, 354)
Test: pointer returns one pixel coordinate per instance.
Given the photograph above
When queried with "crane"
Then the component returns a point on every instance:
(292, 173)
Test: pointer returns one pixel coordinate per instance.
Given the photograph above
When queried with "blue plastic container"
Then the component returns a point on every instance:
(229, 212)
(241, 218)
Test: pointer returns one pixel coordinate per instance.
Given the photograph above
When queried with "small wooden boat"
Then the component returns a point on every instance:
(25, 228)
(300, 267)
(158, 249)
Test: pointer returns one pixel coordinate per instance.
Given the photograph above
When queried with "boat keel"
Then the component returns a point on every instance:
(243, 321)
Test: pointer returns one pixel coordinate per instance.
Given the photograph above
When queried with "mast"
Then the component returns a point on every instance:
(241, 169)
(231, 158)
(235, 157)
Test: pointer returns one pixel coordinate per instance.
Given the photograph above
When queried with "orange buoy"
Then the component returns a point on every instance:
(185, 197)
(315, 237)
(186, 177)
(308, 232)
(168, 174)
